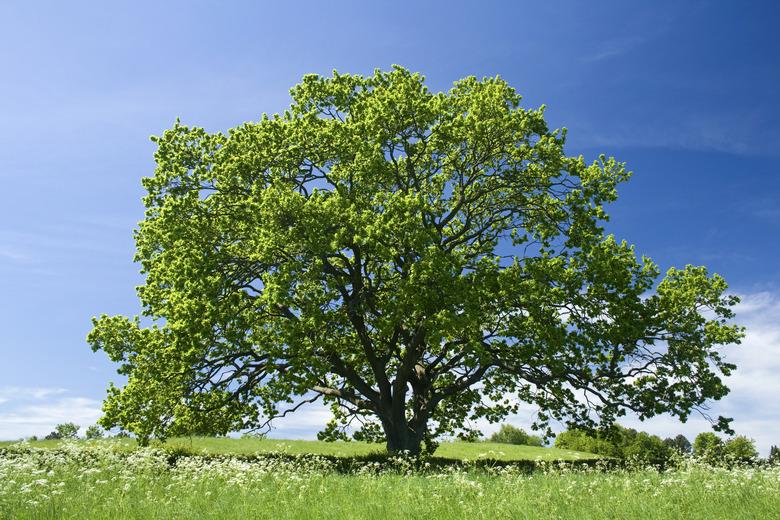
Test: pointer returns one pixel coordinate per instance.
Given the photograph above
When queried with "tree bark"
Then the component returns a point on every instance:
(404, 434)
(402, 438)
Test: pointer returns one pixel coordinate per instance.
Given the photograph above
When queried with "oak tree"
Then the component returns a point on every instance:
(418, 260)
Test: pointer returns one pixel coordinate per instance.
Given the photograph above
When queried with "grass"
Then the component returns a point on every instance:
(95, 480)
(250, 446)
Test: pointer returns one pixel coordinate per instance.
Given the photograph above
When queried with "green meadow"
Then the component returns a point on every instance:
(265, 478)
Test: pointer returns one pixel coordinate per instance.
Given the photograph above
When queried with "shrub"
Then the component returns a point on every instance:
(509, 434)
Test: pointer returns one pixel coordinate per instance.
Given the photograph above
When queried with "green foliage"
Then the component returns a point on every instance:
(740, 449)
(617, 442)
(406, 256)
(509, 434)
(64, 431)
(579, 440)
(712, 449)
(680, 443)
(709, 447)
(646, 449)
(774, 455)
(94, 432)
(369, 432)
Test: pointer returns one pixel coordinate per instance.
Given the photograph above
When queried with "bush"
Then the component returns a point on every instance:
(509, 434)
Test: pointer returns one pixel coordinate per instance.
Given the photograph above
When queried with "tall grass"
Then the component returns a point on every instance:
(96, 481)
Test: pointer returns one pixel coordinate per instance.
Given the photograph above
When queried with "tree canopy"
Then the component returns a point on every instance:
(417, 260)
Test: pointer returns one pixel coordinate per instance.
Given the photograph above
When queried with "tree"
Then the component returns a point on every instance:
(740, 449)
(774, 455)
(413, 258)
(708, 446)
(64, 431)
(509, 434)
(679, 443)
(94, 432)
(579, 440)
(618, 442)
(648, 449)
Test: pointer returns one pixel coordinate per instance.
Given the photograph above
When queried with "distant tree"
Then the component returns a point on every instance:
(33, 438)
(774, 455)
(708, 447)
(740, 449)
(648, 449)
(94, 432)
(579, 440)
(122, 434)
(618, 442)
(679, 443)
(509, 434)
(409, 257)
(64, 431)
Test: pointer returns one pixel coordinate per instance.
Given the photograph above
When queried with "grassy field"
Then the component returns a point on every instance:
(96, 480)
(249, 446)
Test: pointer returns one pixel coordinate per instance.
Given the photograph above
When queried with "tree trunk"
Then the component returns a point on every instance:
(401, 438)
(402, 434)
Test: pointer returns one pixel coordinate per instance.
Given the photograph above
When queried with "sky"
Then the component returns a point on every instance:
(684, 92)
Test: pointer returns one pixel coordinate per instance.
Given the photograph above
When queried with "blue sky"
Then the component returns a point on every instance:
(684, 92)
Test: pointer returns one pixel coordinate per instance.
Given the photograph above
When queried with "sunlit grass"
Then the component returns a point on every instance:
(93, 480)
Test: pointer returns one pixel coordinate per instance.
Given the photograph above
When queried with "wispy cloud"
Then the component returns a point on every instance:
(15, 255)
(735, 131)
(26, 411)
(613, 48)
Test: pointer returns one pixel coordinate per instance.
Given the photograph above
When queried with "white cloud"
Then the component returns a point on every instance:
(36, 410)
(733, 130)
